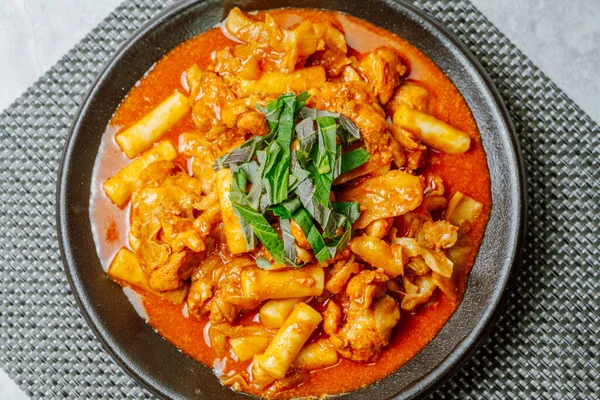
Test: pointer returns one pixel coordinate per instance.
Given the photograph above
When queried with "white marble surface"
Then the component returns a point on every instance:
(34, 34)
(561, 37)
(9, 390)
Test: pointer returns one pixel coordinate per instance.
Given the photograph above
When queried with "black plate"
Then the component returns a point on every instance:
(157, 364)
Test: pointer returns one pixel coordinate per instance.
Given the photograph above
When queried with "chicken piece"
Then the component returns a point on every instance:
(349, 74)
(384, 70)
(385, 196)
(194, 144)
(208, 219)
(416, 159)
(150, 252)
(229, 298)
(254, 123)
(332, 318)
(333, 57)
(437, 235)
(222, 311)
(167, 239)
(407, 139)
(164, 206)
(174, 272)
(379, 253)
(224, 63)
(415, 152)
(199, 295)
(412, 95)
(379, 228)
(180, 233)
(365, 287)
(232, 111)
(398, 153)
(366, 330)
(191, 77)
(183, 233)
(201, 289)
(335, 96)
(209, 94)
(418, 292)
(207, 201)
(203, 153)
(241, 114)
(356, 101)
(342, 271)
(204, 172)
(157, 172)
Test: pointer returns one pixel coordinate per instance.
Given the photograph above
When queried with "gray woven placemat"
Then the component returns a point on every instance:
(544, 346)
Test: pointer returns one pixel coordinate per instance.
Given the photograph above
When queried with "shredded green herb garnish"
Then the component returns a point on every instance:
(354, 159)
(291, 181)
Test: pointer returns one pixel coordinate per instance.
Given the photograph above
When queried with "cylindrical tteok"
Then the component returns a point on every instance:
(289, 340)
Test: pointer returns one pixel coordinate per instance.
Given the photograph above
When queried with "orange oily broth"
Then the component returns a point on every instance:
(466, 173)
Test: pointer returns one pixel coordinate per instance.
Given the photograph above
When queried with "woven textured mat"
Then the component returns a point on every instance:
(544, 346)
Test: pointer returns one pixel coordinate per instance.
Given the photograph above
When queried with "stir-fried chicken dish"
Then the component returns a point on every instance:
(299, 214)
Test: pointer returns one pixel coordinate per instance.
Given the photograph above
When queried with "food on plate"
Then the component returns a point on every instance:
(298, 196)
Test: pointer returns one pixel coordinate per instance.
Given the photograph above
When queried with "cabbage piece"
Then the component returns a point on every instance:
(385, 196)
(436, 260)
(462, 209)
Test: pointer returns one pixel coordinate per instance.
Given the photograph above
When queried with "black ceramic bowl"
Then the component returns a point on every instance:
(157, 364)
